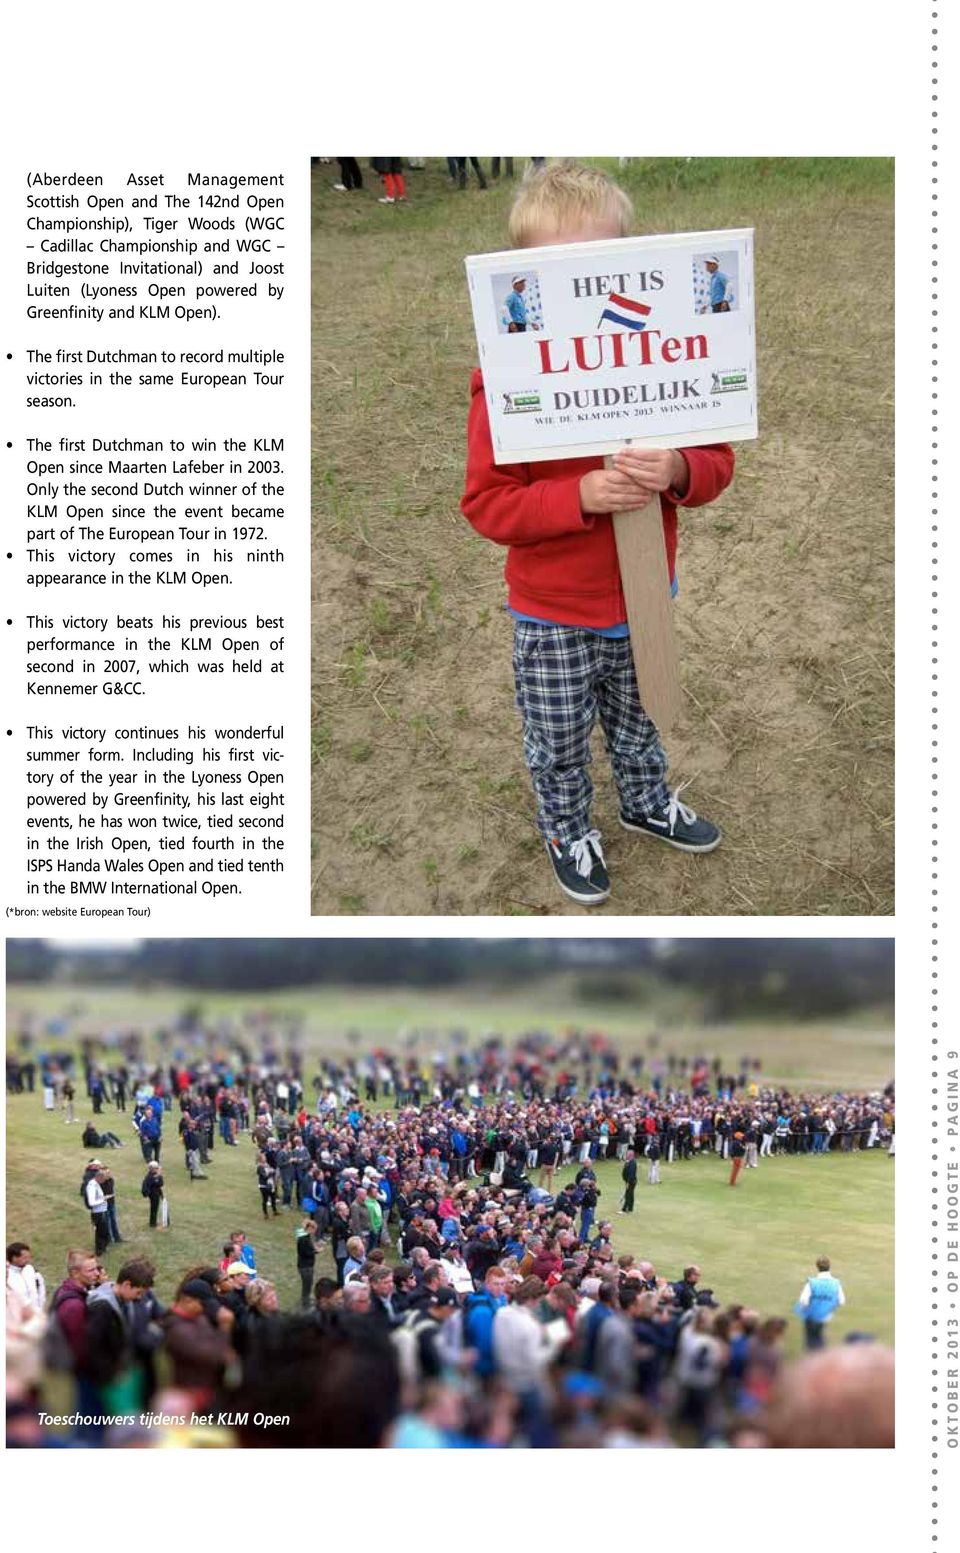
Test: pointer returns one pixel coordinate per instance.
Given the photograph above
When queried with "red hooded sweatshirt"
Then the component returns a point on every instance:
(562, 563)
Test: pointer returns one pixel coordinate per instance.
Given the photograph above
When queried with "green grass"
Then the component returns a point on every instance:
(745, 182)
(757, 1243)
(45, 1166)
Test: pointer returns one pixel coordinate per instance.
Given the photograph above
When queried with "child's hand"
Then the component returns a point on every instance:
(656, 469)
(609, 490)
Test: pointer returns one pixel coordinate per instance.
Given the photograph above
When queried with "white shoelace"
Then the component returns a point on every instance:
(676, 809)
(580, 851)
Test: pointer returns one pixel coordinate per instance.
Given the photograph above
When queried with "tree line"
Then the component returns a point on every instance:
(733, 975)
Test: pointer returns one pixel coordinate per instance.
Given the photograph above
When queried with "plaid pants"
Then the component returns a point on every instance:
(566, 678)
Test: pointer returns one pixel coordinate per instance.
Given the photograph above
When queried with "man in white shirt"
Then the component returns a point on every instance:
(456, 1269)
(23, 1278)
(520, 1349)
(97, 1203)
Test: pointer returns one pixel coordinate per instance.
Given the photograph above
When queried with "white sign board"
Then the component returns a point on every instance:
(587, 346)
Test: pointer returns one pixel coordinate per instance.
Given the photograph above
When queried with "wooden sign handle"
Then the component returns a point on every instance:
(646, 588)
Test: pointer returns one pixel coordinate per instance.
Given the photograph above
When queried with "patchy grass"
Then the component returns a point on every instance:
(785, 614)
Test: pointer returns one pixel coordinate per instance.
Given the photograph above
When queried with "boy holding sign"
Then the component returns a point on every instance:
(572, 654)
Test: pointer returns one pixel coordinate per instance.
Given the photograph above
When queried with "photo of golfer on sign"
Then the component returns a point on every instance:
(584, 438)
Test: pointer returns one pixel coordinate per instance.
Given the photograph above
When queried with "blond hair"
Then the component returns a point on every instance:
(255, 1290)
(563, 194)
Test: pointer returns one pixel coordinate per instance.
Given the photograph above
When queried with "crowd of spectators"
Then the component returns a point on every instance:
(460, 1280)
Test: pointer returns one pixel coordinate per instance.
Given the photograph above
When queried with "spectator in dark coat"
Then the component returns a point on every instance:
(383, 1312)
(111, 1349)
(306, 1260)
(685, 1289)
(198, 1350)
(629, 1177)
(151, 1187)
(92, 1139)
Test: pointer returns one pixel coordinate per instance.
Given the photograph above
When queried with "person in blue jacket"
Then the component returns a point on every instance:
(459, 1145)
(479, 1311)
(236, 1249)
(819, 1298)
(149, 1128)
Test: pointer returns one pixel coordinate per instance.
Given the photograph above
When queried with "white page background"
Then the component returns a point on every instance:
(250, 87)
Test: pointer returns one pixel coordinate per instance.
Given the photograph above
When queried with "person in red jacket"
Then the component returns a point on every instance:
(69, 1304)
(572, 658)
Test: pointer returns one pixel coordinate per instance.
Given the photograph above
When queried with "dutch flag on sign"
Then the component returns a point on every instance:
(625, 312)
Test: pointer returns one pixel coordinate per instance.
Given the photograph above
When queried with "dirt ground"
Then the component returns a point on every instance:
(785, 612)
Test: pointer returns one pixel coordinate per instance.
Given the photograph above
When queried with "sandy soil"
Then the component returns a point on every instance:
(785, 614)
